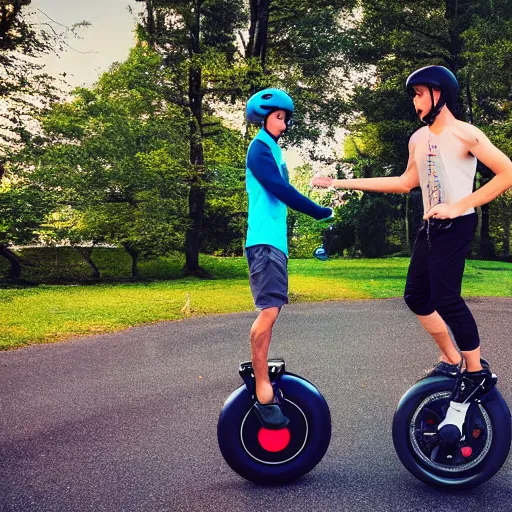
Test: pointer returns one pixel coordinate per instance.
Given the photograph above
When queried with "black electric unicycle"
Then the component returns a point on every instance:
(465, 462)
(272, 457)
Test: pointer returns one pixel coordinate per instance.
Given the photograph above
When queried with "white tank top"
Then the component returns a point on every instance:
(446, 169)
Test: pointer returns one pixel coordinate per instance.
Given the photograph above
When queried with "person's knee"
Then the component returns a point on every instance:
(418, 303)
(449, 304)
(263, 325)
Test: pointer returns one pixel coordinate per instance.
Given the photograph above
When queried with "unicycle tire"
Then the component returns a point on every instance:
(274, 457)
(476, 458)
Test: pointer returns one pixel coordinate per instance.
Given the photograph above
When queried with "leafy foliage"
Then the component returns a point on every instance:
(145, 159)
(389, 40)
(115, 162)
(25, 88)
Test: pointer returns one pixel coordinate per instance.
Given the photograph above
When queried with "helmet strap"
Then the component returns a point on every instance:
(435, 109)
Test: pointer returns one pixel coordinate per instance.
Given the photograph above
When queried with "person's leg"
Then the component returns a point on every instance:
(449, 249)
(446, 268)
(261, 333)
(437, 328)
(417, 297)
(268, 276)
(473, 359)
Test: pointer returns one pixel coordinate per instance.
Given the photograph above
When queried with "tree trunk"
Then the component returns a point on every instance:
(486, 246)
(15, 270)
(486, 249)
(150, 20)
(253, 23)
(476, 238)
(507, 225)
(457, 14)
(134, 254)
(407, 226)
(197, 193)
(196, 202)
(260, 44)
(258, 30)
(154, 24)
(86, 253)
(469, 98)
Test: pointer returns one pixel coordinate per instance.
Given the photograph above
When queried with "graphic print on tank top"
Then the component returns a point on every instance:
(435, 169)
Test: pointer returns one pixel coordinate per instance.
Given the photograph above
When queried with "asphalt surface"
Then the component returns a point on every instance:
(127, 421)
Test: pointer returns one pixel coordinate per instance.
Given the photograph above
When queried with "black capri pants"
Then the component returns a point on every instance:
(434, 279)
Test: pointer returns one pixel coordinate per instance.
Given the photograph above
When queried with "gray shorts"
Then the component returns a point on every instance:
(268, 276)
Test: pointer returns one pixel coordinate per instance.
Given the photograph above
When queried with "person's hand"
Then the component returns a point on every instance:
(332, 214)
(321, 181)
(329, 218)
(442, 211)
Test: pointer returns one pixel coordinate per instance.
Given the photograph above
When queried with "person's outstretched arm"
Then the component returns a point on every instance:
(264, 168)
(391, 184)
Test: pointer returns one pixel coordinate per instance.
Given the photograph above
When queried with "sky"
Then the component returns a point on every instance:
(107, 40)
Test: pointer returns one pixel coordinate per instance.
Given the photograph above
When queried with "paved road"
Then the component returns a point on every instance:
(127, 421)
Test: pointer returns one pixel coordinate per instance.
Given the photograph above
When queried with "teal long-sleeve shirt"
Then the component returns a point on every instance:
(270, 192)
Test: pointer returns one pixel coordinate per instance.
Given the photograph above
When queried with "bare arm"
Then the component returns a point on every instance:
(392, 184)
(498, 163)
(482, 148)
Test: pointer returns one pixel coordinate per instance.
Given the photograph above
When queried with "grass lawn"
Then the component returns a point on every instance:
(54, 312)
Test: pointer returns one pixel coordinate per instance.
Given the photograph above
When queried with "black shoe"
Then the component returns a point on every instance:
(270, 415)
(472, 385)
(444, 369)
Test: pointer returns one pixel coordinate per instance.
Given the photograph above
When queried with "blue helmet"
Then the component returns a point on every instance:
(263, 103)
(440, 78)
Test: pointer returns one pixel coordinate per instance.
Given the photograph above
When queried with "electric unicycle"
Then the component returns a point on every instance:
(472, 458)
(269, 456)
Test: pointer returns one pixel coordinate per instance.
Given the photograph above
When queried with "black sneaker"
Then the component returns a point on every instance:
(443, 369)
(472, 385)
(270, 415)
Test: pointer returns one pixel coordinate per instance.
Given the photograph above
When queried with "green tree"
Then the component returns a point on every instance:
(298, 45)
(25, 93)
(389, 40)
(291, 44)
(25, 89)
(24, 206)
(488, 50)
(197, 41)
(225, 218)
(304, 232)
(115, 161)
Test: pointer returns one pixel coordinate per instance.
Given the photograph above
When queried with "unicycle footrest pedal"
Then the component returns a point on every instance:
(276, 368)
